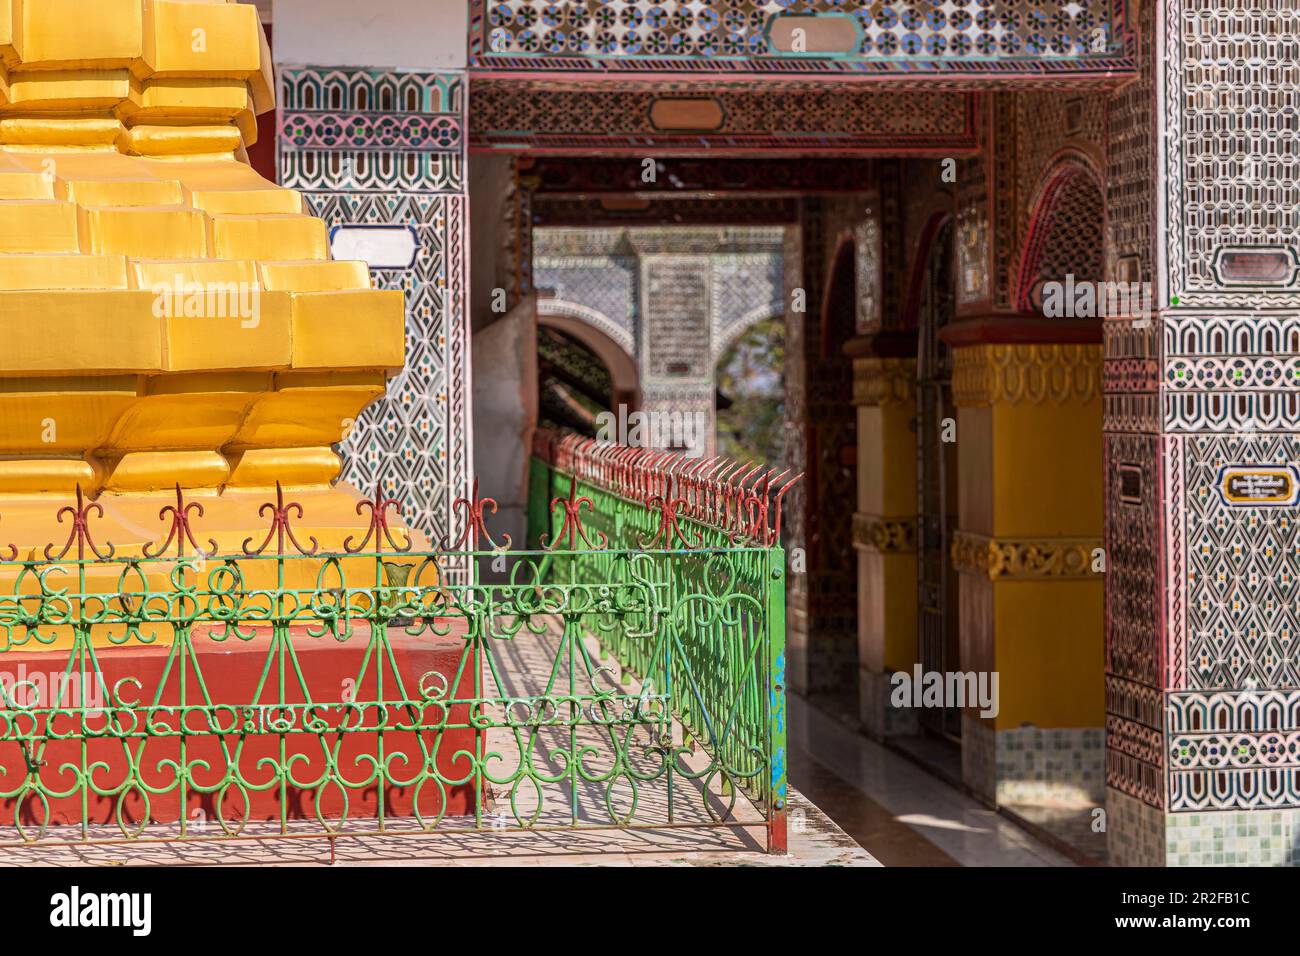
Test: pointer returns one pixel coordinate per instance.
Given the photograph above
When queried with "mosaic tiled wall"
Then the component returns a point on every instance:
(599, 271)
(1142, 835)
(1135, 498)
(387, 148)
(1048, 127)
(1228, 383)
(1228, 194)
(1044, 155)
(603, 287)
(540, 116)
(973, 38)
(974, 285)
(1033, 765)
(1064, 236)
(1233, 749)
(1203, 667)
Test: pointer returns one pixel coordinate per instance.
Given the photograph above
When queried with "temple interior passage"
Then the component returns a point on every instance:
(949, 524)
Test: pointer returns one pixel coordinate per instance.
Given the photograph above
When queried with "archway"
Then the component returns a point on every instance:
(1065, 235)
(574, 386)
(597, 335)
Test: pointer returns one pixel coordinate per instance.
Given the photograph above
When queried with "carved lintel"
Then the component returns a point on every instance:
(884, 381)
(896, 535)
(1002, 559)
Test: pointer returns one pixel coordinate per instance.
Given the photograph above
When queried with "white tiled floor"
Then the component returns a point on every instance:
(966, 830)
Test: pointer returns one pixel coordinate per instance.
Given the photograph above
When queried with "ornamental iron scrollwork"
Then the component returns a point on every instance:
(630, 672)
(180, 529)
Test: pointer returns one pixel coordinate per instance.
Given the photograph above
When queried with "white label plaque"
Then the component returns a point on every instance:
(380, 247)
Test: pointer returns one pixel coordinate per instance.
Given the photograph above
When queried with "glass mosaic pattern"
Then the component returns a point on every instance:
(971, 30)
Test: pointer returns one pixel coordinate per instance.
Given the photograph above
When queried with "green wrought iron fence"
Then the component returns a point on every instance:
(626, 671)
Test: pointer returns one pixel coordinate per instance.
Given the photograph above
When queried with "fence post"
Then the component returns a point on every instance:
(776, 712)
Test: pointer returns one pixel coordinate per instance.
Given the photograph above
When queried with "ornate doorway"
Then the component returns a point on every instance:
(936, 470)
(831, 430)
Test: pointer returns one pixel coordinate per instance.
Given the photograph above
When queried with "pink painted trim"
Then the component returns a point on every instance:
(964, 81)
(920, 264)
(1063, 170)
(459, 325)
(699, 148)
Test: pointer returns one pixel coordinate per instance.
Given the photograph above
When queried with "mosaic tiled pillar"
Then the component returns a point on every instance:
(385, 149)
(1202, 455)
(676, 347)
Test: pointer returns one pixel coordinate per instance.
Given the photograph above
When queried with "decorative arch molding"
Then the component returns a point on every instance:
(1066, 228)
(841, 267)
(727, 337)
(563, 308)
(573, 319)
(920, 265)
(1076, 151)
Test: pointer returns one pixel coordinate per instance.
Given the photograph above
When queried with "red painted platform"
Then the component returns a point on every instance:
(231, 670)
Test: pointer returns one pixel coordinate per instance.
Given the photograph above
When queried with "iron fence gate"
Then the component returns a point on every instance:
(627, 671)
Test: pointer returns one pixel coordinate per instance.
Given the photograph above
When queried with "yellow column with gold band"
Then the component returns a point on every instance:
(1028, 553)
(884, 524)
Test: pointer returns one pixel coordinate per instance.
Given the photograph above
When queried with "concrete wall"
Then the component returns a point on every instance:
(491, 212)
(423, 34)
(505, 415)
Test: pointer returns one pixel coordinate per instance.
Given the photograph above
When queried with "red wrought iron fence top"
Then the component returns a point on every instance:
(741, 499)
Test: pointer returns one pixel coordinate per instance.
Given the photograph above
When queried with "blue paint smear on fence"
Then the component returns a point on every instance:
(776, 699)
(778, 772)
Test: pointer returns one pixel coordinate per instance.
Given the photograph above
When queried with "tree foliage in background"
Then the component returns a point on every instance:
(750, 377)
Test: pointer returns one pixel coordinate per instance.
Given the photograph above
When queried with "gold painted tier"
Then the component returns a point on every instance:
(252, 544)
(168, 316)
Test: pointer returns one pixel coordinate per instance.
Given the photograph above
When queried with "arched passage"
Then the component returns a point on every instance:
(584, 325)
(1066, 232)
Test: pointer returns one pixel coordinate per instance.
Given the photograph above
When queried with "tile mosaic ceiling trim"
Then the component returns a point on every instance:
(969, 40)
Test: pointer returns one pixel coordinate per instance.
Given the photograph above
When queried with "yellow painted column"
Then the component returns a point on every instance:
(884, 528)
(1030, 565)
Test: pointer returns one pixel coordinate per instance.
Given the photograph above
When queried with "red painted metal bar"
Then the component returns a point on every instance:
(742, 499)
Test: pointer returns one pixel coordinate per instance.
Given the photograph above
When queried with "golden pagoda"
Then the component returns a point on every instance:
(167, 316)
